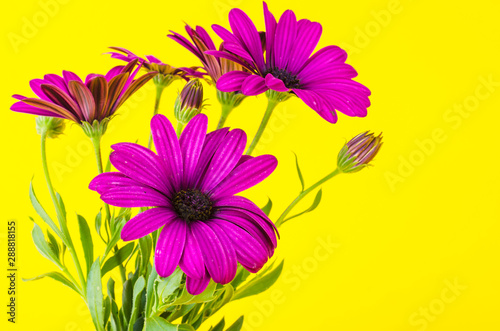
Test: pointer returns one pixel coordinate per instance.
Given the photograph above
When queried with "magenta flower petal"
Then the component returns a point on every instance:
(196, 286)
(218, 252)
(147, 222)
(284, 39)
(247, 33)
(275, 84)
(191, 144)
(170, 246)
(108, 180)
(232, 81)
(69, 76)
(212, 142)
(249, 251)
(254, 85)
(308, 35)
(224, 159)
(192, 260)
(168, 148)
(134, 163)
(245, 176)
(241, 219)
(21, 107)
(329, 55)
(270, 32)
(134, 196)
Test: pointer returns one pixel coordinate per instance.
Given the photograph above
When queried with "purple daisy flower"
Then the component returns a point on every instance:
(323, 81)
(71, 98)
(192, 183)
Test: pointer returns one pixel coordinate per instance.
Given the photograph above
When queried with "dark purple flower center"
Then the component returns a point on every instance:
(192, 205)
(290, 80)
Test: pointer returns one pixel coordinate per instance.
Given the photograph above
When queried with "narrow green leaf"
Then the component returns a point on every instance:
(157, 323)
(107, 309)
(121, 255)
(236, 325)
(167, 286)
(138, 288)
(185, 327)
(241, 275)
(98, 222)
(150, 292)
(61, 204)
(43, 214)
(127, 298)
(111, 288)
(314, 205)
(56, 276)
(86, 238)
(259, 284)
(267, 208)
(43, 247)
(53, 244)
(299, 172)
(219, 326)
(108, 165)
(94, 295)
(226, 297)
(145, 246)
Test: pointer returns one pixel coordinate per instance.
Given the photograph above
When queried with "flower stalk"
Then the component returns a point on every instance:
(60, 217)
(273, 99)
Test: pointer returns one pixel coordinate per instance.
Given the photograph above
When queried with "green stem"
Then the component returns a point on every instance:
(96, 142)
(225, 111)
(61, 219)
(302, 194)
(159, 91)
(271, 104)
(180, 126)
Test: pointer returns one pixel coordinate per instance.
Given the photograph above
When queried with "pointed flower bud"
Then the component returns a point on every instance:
(359, 152)
(51, 126)
(189, 102)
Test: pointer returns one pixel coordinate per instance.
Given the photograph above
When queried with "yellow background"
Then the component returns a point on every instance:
(424, 217)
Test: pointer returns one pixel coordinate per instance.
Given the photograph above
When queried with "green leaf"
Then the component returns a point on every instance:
(138, 288)
(236, 325)
(43, 247)
(94, 295)
(241, 275)
(219, 326)
(146, 247)
(185, 327)
(53, 244)
(315, 204)
(299, 172)
(205, 296)
(86, 238)
(226, 297)
(107, 309)
(150, 292)
(157, 323)
(56, 276)
(111, 288)
(61, 204)
(267, 208)
(127, 298)
(98, 222)
(108, 165)
(120, 256)
(167, 286)
(43, 214)
(259, 284)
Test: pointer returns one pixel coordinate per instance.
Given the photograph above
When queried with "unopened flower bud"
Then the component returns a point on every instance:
(359, 152)
(189, 102)
(51, 126)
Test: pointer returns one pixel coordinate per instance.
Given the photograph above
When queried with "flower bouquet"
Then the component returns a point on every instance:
(173, 223)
